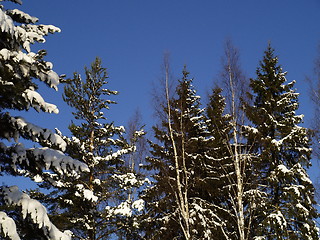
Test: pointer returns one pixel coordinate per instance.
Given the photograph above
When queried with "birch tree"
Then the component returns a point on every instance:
(314, 82)
(175, 160)
(235, 88)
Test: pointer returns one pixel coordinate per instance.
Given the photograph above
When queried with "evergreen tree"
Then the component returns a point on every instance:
(218, 168)
(286, 209)
(173, 203)
(223, 156)
(104, 209)
(19, 67)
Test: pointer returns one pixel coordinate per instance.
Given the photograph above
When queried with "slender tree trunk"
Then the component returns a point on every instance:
(91, 232)
(182, 194)
(237, 159)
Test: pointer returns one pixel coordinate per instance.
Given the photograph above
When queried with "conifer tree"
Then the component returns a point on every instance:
(173, 202)
(221, 177)
(19, 67)
(218, 167)
(105, 209)
(286, 207)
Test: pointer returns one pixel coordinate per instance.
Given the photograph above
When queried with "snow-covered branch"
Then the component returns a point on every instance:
(42, 158)
(32, 209)
(20, 127)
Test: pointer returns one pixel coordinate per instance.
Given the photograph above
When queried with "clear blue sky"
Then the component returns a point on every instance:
(131, 36)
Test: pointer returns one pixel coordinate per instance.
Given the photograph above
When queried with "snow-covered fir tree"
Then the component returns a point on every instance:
(105, 209)
(174, 204)
(286, 208)
(219, 168)
(223, 157)
(19, 68)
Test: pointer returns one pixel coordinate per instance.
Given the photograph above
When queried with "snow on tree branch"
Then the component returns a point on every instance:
(20, 16)
(86, 193)
(129, 180)
(6, 23)
(28, 63)
(126, 208)
(44, 158)
(32, 209)
(37, 102)
(8, 227)
(33, 132)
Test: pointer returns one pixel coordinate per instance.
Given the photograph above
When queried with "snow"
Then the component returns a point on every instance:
(139, 133)
(37, 132)
(295, 189)
(26, 17)
(251, 129)
(116, 154)
(17, 56)
(6, 23)
(138, 204)
(8, 227)
(278, 219)
(126, 180)
(302, 174)
(52, 79)
(47, 158)
(97, 181)
(302, 209)
(120, 129)
(28, 62)
(123, 209)
(89, 195)
(37, 178)
(57, 161)
(86, 193)
(35, 210)
(282, 168)
(126, 208)
(6, 83)
(37, 102)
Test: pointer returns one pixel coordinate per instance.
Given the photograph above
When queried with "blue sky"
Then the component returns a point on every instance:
(131, 37)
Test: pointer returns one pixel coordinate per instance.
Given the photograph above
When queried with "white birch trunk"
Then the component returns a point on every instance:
(182, 194)
(237, 159)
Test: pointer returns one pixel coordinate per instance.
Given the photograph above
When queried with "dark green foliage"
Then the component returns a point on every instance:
(20, 68)
(286, 209)
(219, 168)
(101, 146)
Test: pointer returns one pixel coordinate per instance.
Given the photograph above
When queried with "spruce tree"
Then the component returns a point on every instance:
(100, 212)
(218, 167)
(222, 157)
(287, 206)
(21, 216)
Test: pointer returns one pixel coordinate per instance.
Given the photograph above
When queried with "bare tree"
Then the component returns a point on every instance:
(314, 84)
(159, 88)
(235, 86)
(135, 125)
(234, 81)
